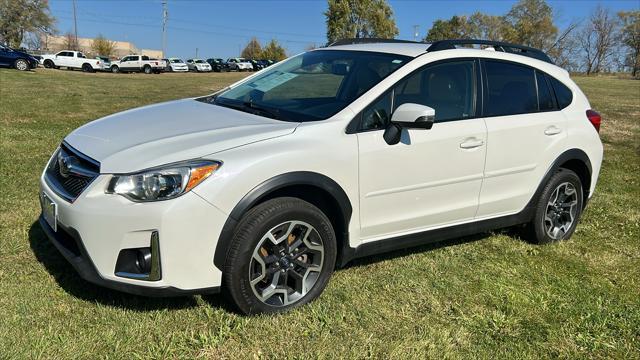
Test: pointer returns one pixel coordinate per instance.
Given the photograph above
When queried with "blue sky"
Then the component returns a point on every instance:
(222, 28)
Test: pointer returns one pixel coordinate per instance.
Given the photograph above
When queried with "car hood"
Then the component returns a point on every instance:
(169, 132)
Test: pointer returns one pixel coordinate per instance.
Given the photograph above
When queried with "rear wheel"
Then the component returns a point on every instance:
(559, 208)
(281, 256)
(147, 69)
(87, 68)
(21, 64)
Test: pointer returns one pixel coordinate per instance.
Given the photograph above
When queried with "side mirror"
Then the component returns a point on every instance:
(414, 116)
(410, 116)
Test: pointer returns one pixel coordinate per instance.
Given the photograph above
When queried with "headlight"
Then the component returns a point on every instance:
(162, 183)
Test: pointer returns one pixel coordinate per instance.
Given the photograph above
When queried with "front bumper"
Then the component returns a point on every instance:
(94, 228)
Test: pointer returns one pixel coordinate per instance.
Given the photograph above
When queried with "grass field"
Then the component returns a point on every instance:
(488, 296)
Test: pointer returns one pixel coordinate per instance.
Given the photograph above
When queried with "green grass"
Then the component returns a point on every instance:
(488, 296)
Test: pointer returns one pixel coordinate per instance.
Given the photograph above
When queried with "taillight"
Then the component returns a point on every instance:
(595, 119)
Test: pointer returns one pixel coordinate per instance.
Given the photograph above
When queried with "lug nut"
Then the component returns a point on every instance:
(277, 263)
(283, 271)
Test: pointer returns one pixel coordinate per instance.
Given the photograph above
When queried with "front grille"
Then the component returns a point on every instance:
(70, 172)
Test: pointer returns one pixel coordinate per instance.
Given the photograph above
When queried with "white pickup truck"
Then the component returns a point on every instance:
(138, 63)
(71, 60)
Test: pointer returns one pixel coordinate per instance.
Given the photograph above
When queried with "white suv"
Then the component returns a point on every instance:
(270, 184)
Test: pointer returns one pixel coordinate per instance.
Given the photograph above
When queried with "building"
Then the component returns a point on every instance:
(53, 43)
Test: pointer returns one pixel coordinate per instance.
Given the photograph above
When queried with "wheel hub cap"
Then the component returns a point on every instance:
(561, 211)
(286, 263)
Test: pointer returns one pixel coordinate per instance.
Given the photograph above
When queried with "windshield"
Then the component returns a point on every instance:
(200, 61)
(176, 61)
(311, 86)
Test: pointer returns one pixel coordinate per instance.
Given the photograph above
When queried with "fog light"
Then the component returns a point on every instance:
(141, 263)
(143, 260)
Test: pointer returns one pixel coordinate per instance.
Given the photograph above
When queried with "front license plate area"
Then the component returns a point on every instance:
(49, 211)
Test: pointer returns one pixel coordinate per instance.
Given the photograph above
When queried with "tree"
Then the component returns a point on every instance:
(530, 23)
(69, 42)
(273, 51)
(359, 19)
(597, 40)
(630, 38)
(103, 46)
(458, 27)
(476, 26)
(19, 17)
(253, 50)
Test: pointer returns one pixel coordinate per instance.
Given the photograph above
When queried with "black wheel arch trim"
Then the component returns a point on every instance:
(268, 187)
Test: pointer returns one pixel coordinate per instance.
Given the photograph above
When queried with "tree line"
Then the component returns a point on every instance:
(272, 51)
(602, 42)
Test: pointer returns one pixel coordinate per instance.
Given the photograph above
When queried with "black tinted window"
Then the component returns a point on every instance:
(377, 115)
(512, 89)
(563, 94)
(145, 58)
(545, 96)
(448, 88)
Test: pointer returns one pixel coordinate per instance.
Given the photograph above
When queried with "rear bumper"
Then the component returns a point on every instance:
(69, 244)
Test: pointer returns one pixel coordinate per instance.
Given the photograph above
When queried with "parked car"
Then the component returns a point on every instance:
(198, 65)
(239, 64)
(218, 65)
(138, 63)
(268, 185)
(176, 65)
(256, 65)
(16, 59)
(264, 63)
(71, 60)
(105, 63)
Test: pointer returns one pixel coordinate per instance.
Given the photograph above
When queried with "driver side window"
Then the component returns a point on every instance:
(377, 115)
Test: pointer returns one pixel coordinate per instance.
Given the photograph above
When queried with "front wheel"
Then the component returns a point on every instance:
(147, 69)
(48, 64)
(115, 69)
(558, 209)
(22, 65)
(281, 256)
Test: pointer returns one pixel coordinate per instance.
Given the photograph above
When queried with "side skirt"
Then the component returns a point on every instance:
(431, 236)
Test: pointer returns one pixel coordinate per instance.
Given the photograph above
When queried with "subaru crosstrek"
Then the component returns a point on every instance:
(268, 185)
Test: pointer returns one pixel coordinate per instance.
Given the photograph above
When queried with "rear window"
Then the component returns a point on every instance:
(145, 58)
(545, 95)
(511, 89)
(564, 96)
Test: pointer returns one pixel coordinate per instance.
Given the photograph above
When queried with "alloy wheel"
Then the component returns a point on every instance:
(21, 65)
(561, 210)
(286, 263)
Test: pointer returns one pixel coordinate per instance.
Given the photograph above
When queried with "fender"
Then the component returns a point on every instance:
(260, 192)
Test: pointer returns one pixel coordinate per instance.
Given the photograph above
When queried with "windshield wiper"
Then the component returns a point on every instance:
(272, 113)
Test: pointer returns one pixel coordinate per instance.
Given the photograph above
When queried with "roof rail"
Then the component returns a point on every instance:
(370, 41)
(497, 45)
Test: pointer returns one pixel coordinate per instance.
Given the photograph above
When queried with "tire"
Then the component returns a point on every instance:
(147, 69)
(48, 64)
(115, 69)
(303, 263)
(87, 68)
(558, 209)
(21, 64)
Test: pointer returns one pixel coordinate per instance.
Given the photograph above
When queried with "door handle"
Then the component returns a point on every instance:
(552, 130)
(471, 143)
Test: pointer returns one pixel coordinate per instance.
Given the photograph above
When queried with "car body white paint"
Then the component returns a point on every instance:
(71, 60)
(427, 181)
(177, 66)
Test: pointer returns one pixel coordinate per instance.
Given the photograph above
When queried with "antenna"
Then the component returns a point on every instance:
(75, 26)
(165, 18)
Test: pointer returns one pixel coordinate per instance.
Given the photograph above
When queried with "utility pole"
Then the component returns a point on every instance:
(75, 25)
(165, 18)
(196, 53)
(416, 32)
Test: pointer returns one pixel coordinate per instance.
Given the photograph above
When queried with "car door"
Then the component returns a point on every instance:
(524, 128)
(125, 63)
(432, 177)
(62, 59)
(4, 56)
